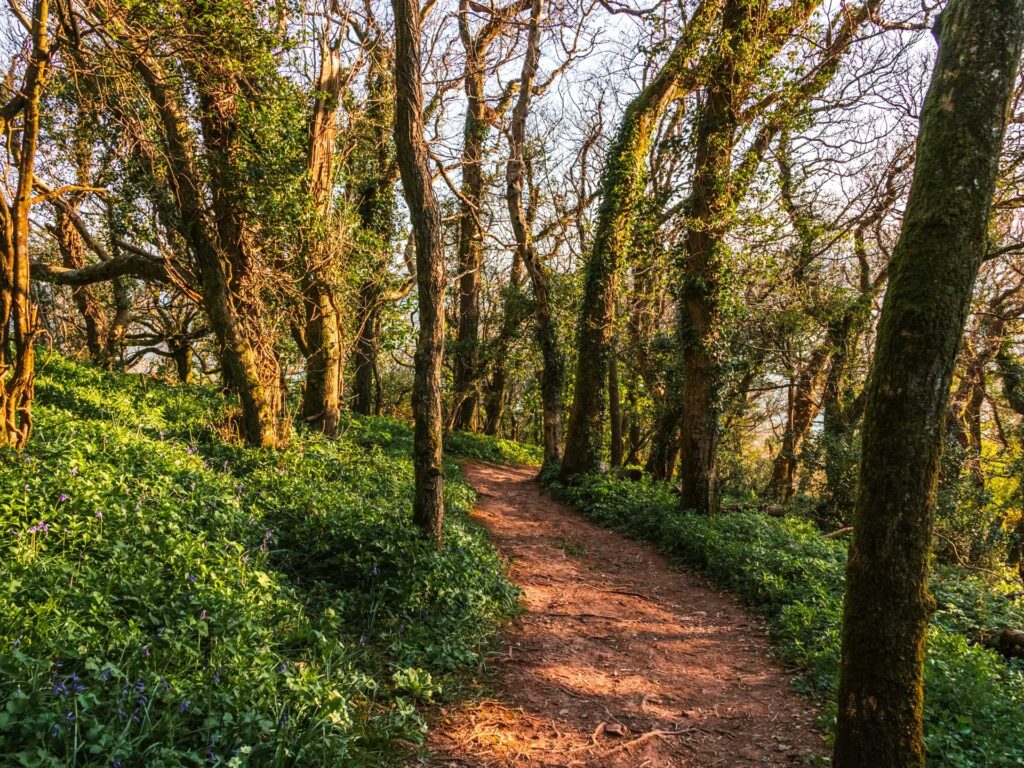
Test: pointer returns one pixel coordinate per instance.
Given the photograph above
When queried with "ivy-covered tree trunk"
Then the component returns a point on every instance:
(417, 185)
(622, 184)
(225, 257)
(325, 361)
(376, 204)
(934, 265)
(616, 445)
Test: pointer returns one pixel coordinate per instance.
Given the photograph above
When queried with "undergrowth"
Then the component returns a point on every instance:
(167, 599)
(788, 570)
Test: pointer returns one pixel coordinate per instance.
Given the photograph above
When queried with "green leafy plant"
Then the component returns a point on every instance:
(168, 599)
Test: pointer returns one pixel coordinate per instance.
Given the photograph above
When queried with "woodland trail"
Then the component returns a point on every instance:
(619, 659)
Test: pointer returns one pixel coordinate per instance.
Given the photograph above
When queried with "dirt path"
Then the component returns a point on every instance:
(619, 660)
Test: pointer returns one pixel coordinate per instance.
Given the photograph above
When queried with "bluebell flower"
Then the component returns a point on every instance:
(139, 686)
(374, 571)
(191, 578)
(60, 689)
(55, 730)
(216, 678)
(70, 717)
(185, 706)
(106, 675)
(122, 714)
(116, 764)
(282, 667)
(16, 643)
(211, 756)
(202, 615)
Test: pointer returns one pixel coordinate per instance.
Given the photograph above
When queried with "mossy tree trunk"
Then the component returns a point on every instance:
(934, 266)
(417, 186)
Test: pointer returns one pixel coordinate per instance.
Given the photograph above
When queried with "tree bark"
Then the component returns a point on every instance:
(934, 266)
(428, 504)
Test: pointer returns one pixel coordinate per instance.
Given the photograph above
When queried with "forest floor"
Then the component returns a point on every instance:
(619, 659)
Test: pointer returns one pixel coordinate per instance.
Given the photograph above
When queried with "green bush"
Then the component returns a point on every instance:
(170, 600)
(788, 570)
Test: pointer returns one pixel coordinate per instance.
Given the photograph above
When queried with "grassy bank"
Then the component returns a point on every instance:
(169, 599)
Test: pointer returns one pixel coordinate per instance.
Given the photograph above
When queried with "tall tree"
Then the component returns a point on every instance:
(417, 186)
(480, 118)
(322, 341)
(934, 266)
(553, 366)
(622, 183)
(17, 314)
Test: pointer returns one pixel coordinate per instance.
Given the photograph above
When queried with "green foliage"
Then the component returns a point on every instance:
(170, 600)
(788, 570)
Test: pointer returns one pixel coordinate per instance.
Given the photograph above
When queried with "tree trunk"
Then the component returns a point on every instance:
(934, 265)
(801, 413)
(18, 319)
(365, 354)
(417, 185)
(325, 361)
(622, 183)
(222, 250)
(661, 461)
(615, 412)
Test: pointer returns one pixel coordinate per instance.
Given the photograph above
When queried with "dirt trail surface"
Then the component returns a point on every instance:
(619, 659)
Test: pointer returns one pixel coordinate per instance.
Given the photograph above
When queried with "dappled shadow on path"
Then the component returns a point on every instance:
(619, 659)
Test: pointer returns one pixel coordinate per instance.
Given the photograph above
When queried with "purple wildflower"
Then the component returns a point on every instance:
(70, 717)
(185, 706)
(139, 686)
(202, 615)
(282, 667)
(283, 720)
(106, 675)
(55, 730)
(99, 515)
(191, 578)
(374, 571)
(63, 497)
(216, 678)
(74, 471)
(145, 651)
